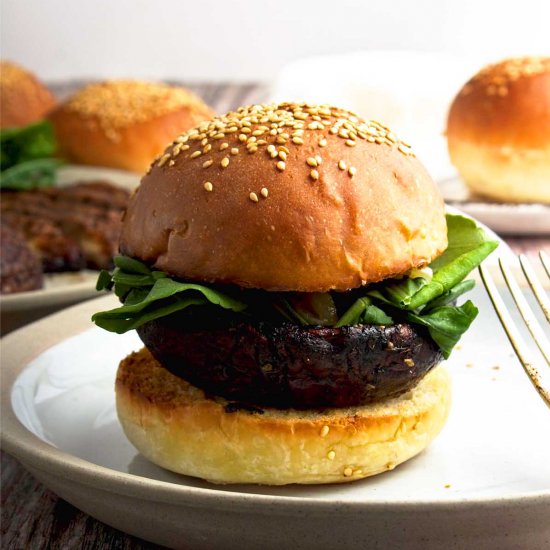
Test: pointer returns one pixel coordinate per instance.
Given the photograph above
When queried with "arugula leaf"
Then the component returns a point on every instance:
(450, 295)
(447, 324)
(468, 247)
(24, 153)
(362, 311)
(146, 298)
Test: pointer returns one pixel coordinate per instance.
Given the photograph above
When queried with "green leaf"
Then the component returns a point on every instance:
(468, 247)
(313, 308)
(450, 295)
(24, 152)
(30, 174)
(131, 265)
(362, 311)
(447, 324)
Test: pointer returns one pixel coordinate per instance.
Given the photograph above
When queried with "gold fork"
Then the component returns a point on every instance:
(538, 373)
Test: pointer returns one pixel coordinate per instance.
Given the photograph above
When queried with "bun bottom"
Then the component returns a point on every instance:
(176, 426)
(502, 173)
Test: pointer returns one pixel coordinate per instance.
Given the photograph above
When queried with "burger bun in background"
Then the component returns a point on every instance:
(23, 98)
(498, 131)
(124, 124)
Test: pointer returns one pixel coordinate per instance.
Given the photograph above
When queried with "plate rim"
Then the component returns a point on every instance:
(23, 345)
(66, 294)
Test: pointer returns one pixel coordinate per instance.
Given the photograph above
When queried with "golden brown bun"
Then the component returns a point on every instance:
(498, 131)
(23, 99)
(124, 124)
(176, 426)
(270, 197)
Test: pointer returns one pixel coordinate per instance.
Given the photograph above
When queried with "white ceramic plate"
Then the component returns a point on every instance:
(503, 217)
(484, 482)
(62, 289)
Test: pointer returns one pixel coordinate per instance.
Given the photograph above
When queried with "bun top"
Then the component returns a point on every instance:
(286, 197)
(23, 99)
(124, 123)
(507, 103)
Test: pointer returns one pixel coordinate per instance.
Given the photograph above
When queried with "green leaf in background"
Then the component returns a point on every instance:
(31, 174)
(447, 324)
(24, 156)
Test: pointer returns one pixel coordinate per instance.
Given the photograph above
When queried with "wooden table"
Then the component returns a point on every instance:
(34, 517)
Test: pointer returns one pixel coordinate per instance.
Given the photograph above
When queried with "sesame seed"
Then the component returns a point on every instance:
(281, 165)
(342, 165)
(171, 163)
(319, 159)
(348, 472)
(235, 151)
(323, 142)
(402, 149)
(264, 192)
(311, 161)
(297, 140)
(225, 162)
(242, 137)
(207, 163)
(224, 145)
(331, 455)
(196, 154)
(204, 141)
(282, 155)
(350, 143)
(164, 159)
(324, 431)
(352, 171)
(314, 175)
(207, 148)
(208, 186)
(274, 154)
(271, 148)
(253, 197)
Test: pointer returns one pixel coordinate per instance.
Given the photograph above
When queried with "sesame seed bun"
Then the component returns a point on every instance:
(176, 426)
(23, 98)
(498, 131)
(286, 197)
(123, 123)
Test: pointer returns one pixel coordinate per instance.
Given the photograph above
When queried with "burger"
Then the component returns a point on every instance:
(124, 123)
(294, 278)
(498, 131)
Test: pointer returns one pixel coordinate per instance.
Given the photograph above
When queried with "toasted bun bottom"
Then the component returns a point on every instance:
(503, 173)
(176, 426)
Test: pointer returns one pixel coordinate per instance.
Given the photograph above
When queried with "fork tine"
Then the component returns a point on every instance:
(526, 312)
(517, 341)
(545, 262)
(535, 285)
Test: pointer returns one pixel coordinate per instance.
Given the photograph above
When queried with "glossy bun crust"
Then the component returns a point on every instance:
(124, 124)
(23, 98)
(177, 427)
(286, 197)
(498, 131)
